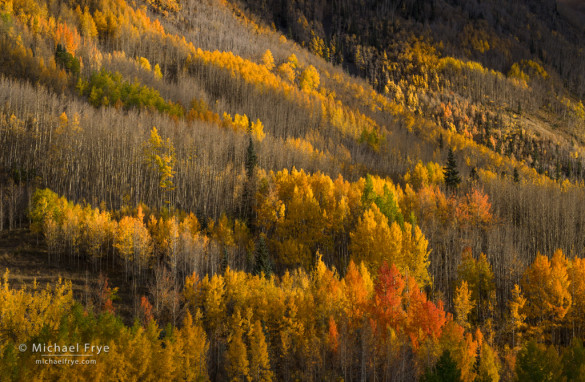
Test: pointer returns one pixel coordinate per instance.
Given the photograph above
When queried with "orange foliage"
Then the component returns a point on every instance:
(68, 37)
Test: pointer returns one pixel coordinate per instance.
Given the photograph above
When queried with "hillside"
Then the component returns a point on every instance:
(267, 190)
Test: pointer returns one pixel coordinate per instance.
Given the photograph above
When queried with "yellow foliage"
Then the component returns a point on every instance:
(257, 130)
(286, 72)
(309, 79)
(259, 358)
(425, 175)
(268, 60)
(26, 312)
(463, 304)
(157, 72)
(374, 242)
(144, 63)
(293, 61)
(546, 285)
(527, 70)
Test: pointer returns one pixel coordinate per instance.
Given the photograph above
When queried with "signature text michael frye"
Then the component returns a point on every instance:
(84, 350)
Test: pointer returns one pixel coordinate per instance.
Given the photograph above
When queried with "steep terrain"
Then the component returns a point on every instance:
(293, 190)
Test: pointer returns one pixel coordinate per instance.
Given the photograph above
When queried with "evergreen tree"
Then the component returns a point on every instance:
(516, 175)
(574, 361)
(445, 370)
(473, 175)
(251, 159)
(537, 363)
(250, 185)
(224, 260)
(262, 263)
(66, 60)
(452, 178)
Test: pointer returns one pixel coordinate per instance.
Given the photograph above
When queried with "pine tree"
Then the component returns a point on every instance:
(262, 263)
(516, 175)
(473, 175)
(250, 185)
(536, 362)
(251, 158)
(452, 178)
(224, 260)
(445, 370)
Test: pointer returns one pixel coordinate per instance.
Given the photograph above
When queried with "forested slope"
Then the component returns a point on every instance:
(373, 196)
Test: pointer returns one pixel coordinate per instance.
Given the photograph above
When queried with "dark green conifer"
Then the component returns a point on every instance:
(251, 159)
(516, 175)
(248, 198)
(452, 178)
(445, 370)
(263, 263)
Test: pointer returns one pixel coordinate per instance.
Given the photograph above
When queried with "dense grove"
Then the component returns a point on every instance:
(278, 219)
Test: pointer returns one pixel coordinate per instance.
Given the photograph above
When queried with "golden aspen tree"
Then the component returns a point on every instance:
(190, 224)
(257, 130)
(241, 122)
(333, 336)
(463, 304)
(517, 317)
(166, 364)
(292, 207)
(480, 279)
(25, 312)
(159, 232)
(99, 231)
(309, 79)
(267, 60)
(356, 295)
(374, 242)
(71, 228)
(141, 242)
(193, 350)
(489, 363)
(576, 317)
(213, 301)
(287, 72)
(87, 25)
(123, 241)
(317, 46)
(546, 286)
(222, 231)
(415, 257)
(237, 365)
(326, 289)
(424, 175)
(160, 157)
(259, 359)
(139, 351)
(157, 72)
(144, 63)
(293, 61)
